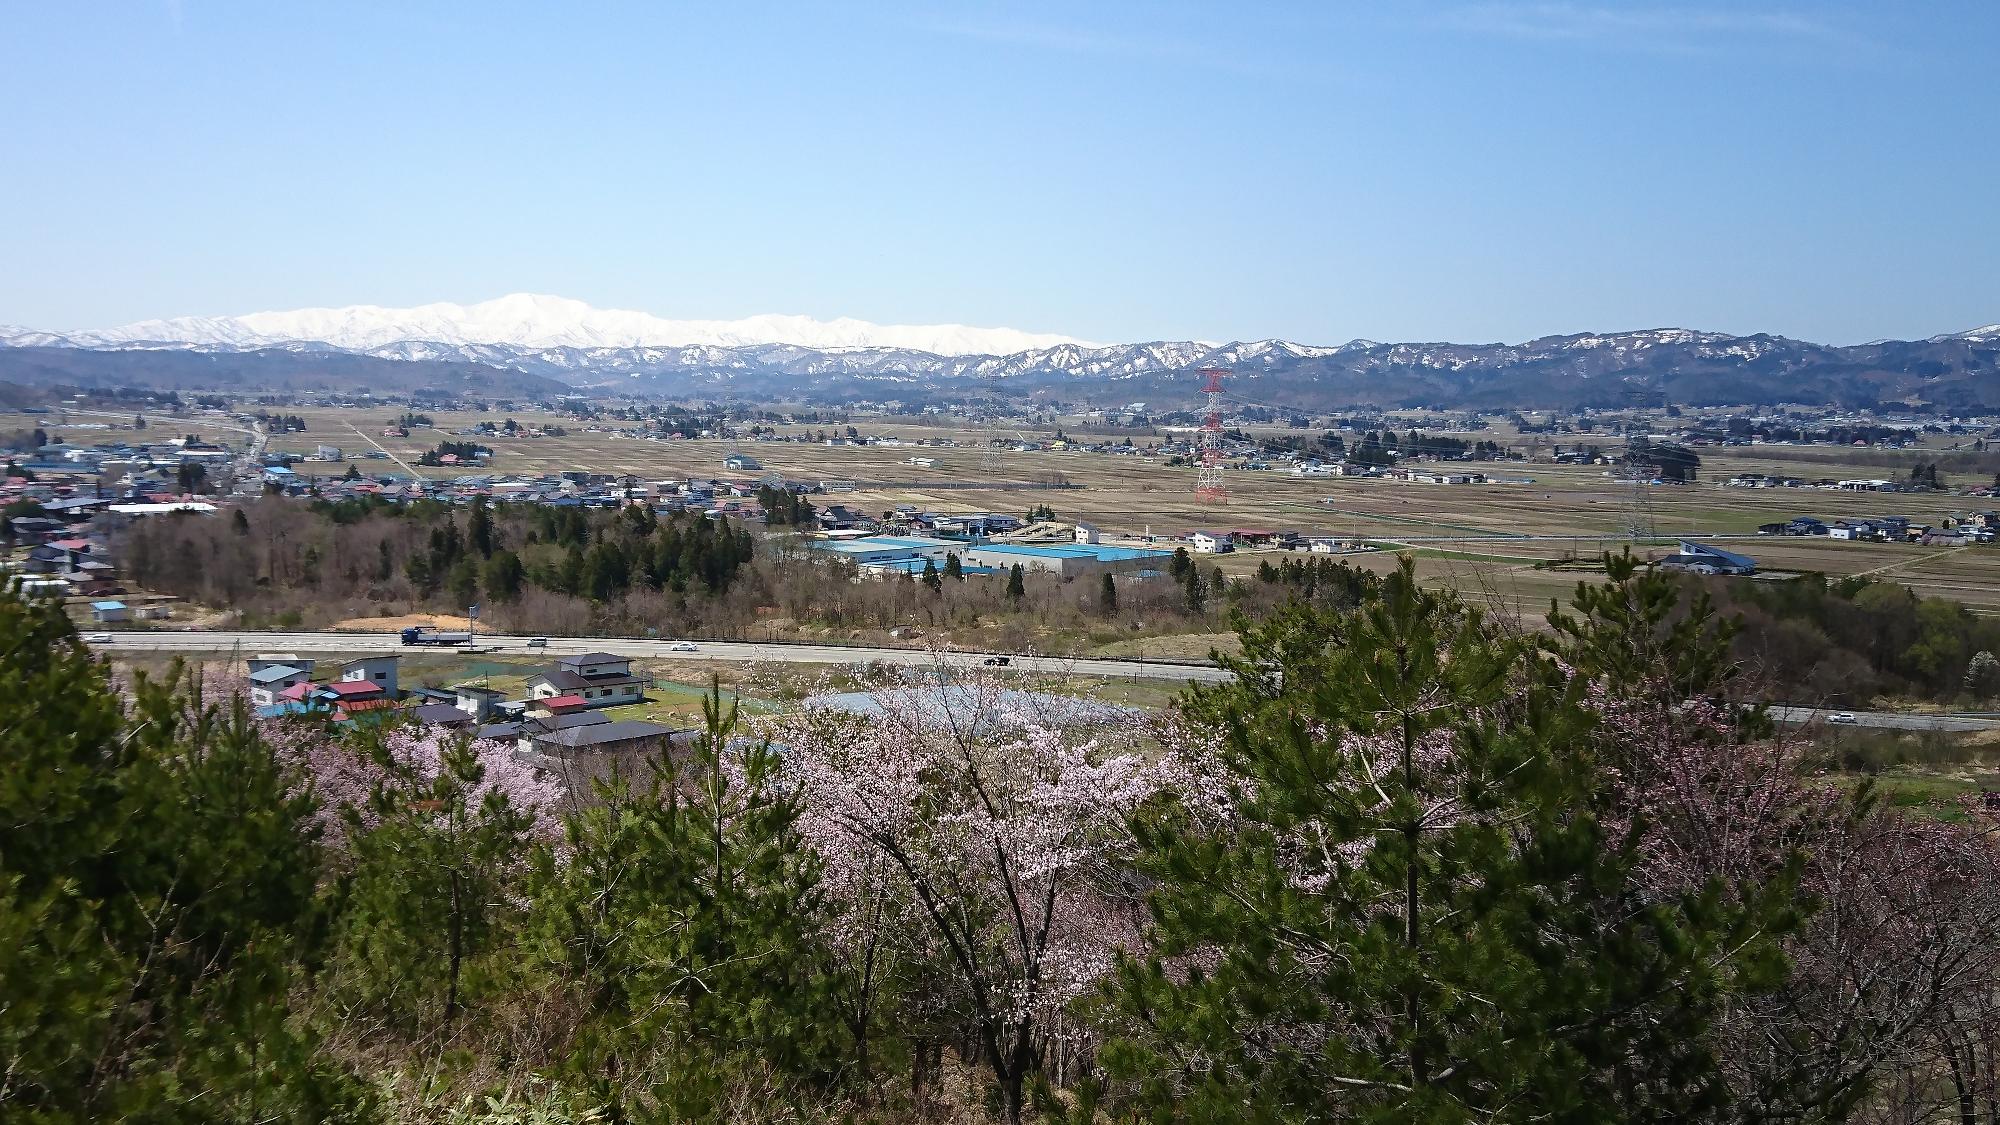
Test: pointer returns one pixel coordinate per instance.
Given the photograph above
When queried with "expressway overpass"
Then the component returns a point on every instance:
(194, 643)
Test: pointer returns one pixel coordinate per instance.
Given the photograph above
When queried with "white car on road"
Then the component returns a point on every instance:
(684, 646)
(1845, 718)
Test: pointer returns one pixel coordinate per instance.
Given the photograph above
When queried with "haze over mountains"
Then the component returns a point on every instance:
(527, 344)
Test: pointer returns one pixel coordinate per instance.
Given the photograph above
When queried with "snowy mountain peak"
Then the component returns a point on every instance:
(532, 320)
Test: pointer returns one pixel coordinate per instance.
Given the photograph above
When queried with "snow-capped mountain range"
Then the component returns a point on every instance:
(534, 321)
(553, 342)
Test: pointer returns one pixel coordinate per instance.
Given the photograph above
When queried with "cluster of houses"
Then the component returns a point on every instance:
(560, 719)
(1953, 531)
(1764, 480)
(1065, 550)
(121, 465)
(572, 489)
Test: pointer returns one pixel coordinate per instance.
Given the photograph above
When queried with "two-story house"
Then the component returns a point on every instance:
(598, 678)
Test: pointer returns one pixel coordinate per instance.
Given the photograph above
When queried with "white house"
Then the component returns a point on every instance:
(475, 700)
(1087, 532)
(599, 679)
(377, 670)
(270, 679)
(1210, 542)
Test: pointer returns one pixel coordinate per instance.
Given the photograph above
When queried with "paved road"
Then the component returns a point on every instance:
(194, 642)
(1889, 720)
(370, 439)
(162, 641)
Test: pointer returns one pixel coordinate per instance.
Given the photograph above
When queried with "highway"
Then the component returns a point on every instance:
(1888, 720)
(752, 652)
(306, 644)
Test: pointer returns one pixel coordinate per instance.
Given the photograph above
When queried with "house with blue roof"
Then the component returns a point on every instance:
(1704, 558)
(269, 682)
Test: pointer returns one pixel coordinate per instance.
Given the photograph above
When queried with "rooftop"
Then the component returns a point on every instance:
(275, 674)
(440, 714)
(603, 734)
(564, 680)
(1097, 551)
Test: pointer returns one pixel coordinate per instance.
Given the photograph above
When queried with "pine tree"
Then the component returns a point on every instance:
(954, 569)
(1107, 595)
(502, 576)
(680, 913)
(932, 578)
(479, 528)
(1194, 592)
(157, 897)
(1017, 587)
(462, 583)
(433, 850)
(1417, 907)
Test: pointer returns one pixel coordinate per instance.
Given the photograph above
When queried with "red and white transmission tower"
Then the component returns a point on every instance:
(1208, 486)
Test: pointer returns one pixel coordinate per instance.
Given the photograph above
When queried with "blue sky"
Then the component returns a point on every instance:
(1324, 171)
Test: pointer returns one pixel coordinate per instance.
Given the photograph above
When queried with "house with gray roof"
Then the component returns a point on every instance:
(599, 679)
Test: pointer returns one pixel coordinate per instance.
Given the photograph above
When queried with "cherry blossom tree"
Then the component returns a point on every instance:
(979, 830)
(1890, 968)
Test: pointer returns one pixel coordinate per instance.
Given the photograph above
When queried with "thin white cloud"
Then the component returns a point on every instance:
(1646, 27)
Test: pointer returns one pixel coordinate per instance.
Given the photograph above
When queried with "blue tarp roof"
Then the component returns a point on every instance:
(107, 605)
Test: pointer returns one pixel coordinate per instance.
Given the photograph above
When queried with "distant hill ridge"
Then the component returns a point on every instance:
(1959, 370)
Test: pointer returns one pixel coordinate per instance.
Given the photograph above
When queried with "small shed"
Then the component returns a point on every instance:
(108, 613)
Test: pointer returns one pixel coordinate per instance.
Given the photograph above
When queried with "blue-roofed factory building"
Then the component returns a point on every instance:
(1066, 559)
(896, 555)
(873, 550)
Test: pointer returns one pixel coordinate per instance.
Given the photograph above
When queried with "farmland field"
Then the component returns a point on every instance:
(1571, 510)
